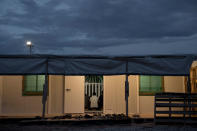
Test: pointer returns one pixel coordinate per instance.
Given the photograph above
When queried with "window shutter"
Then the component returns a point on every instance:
(40, 82)
(150, 84)
(30, 83)
(144, 83)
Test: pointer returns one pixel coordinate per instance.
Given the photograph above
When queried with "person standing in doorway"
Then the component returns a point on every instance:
(100, 102)
(94, 101)
(87, 102)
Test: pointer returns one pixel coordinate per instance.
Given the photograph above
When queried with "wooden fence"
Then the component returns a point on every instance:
(175, 107)
(93, 87)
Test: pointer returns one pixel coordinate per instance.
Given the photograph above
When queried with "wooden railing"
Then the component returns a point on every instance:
(175, 107)
(93, 87)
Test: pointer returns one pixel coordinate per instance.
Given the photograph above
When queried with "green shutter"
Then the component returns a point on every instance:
(156, 83)
(40, 82)
(30, 83)
(151, 84)
(144, 83)
(33, 84)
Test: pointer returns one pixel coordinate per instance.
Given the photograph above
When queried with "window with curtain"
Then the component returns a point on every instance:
(33, 84)
(149, 85)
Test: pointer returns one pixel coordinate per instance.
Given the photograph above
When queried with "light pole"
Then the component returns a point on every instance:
(29, 44)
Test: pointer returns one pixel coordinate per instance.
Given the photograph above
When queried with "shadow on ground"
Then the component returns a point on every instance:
(89, 125)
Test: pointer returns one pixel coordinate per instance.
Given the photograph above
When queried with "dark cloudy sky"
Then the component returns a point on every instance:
(56, 26)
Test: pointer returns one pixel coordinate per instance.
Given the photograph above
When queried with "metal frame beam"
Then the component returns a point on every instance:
(127, 88)
(45, 91)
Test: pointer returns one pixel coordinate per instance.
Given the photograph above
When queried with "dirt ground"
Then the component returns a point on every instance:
(100, 127)
(91, 125)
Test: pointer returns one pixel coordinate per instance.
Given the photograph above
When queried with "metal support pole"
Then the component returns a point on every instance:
(127, 88)
(29, 45)
(45, 91)
(30, 49)
(189, 94)
(188, 84)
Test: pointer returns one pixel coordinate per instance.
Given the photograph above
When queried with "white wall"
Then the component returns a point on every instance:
(114, 101)
(171, 84)
(133, 95)
(14, 103)
(74, 94)
(1, 92)
(114, 95)
(114, 98)
(56, 95)
(73, 102)
(174, 84)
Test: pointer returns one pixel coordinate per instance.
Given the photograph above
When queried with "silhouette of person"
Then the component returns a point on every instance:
(100, 102)
(87, 101)
(94, 101)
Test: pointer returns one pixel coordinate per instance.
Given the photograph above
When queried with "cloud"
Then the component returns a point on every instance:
(76, 25)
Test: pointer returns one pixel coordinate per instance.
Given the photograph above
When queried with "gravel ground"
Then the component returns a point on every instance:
(128, 127)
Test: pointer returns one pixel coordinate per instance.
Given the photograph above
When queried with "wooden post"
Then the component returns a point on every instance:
(170, 109)
(184, 108)
(155, 110)
(127, 88)
(45, 91)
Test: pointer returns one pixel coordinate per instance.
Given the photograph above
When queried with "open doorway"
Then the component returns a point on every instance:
(93, 93)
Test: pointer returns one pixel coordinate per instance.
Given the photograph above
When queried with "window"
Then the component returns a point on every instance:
(149, 85)
(33, 84)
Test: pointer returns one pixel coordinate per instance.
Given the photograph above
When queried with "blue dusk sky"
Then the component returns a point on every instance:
(66, 26)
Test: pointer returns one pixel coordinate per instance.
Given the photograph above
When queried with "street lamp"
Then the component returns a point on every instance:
(29, 44)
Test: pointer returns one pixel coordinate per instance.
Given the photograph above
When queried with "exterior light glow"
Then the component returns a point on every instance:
(28, 43)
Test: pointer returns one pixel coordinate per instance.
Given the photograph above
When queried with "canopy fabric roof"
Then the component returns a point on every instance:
(146, 59)
(77, 37)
